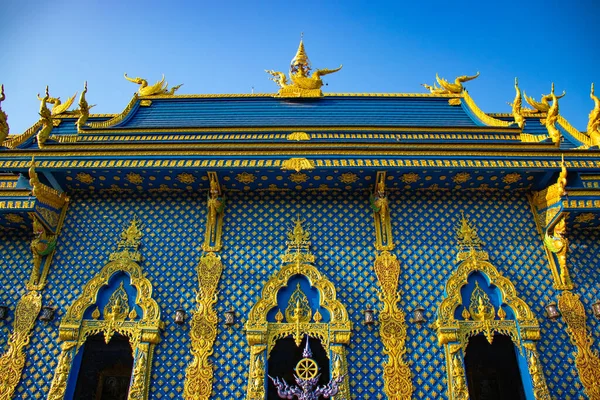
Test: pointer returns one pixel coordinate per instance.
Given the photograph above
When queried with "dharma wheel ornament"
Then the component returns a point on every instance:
(307, 376)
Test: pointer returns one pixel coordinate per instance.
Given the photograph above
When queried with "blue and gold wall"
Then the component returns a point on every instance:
(341, 224)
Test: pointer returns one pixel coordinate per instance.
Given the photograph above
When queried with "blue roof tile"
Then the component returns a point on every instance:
(328, 111)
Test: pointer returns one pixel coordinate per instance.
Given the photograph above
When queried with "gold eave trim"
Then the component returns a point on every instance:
(306, 147)
(507, 156)
(16, 193)
(311, 129)
(250, 95)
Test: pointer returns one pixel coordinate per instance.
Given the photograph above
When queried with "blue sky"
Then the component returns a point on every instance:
(224, 47)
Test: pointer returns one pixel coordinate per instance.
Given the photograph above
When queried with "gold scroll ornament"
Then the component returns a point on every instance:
(199, 373)
(396, 373)
(586, 360)
(13, 361)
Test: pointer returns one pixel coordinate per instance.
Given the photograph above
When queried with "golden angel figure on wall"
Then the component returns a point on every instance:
(216, 208)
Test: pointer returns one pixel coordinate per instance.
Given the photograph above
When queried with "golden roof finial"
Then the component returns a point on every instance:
(300, 60)
(303, 83)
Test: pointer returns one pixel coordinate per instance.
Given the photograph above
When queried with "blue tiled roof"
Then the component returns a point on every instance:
(268, 111)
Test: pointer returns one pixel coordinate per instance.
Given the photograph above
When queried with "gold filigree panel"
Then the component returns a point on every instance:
(203, 330)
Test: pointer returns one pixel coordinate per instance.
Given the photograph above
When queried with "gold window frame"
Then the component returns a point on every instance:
(262, 335)
(454, 334)
(143, 333)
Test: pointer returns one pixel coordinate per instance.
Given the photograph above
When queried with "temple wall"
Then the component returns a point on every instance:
(342, 231)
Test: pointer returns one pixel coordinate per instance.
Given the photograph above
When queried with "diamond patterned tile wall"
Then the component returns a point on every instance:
(342, 237)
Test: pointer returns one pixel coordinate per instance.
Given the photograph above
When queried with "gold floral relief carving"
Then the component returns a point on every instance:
(396, 372)
(13, 360)
(586, 360)
(199, 373)
(392, 324)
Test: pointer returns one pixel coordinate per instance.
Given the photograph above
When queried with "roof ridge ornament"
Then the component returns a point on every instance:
(4, 128)
(516, 105)
(45, 119)
(593, 126)
(544, 105)
(303, 84)
(159, 88)
(552, 116)
(446, 87)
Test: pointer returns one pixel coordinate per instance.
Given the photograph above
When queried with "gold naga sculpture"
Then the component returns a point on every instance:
(45, 119)
(3, 118)
(543, 106)
(58, 106)
(303, 84)
(552, 116)
(593, 126)
(159, 88)
(447, 87)
(84, 109)
(517, 110)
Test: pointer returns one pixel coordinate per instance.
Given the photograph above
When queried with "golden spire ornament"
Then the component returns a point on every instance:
(303, 84)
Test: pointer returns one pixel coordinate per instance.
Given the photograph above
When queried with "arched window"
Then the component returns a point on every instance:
(297, 302)
(481, 322)
(115, 307)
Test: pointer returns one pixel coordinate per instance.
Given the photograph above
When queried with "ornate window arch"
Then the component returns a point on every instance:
(461, 318)
(334, 332)
(142, 329)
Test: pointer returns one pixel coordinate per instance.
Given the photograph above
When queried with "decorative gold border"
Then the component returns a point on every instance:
(143, 333)
(454, 334)
(262, 335)
(203, 330)
(586, 360)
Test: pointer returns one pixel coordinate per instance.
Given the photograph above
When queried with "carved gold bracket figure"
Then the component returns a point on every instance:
(547, 207)
(159, 88)
(4, 128)
(479, 316)
(142, 331)
(216, 208)
(381, 214)
(302, 83)
(586, 360)
(396, 373)
(203, 327)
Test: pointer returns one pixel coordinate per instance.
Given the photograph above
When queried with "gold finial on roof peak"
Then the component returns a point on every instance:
(303, 83)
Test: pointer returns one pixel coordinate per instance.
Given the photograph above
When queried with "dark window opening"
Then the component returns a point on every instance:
(492, 369)
(284, 357)
(105, 369)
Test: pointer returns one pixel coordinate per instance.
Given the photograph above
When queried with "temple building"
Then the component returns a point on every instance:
(301, 245)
